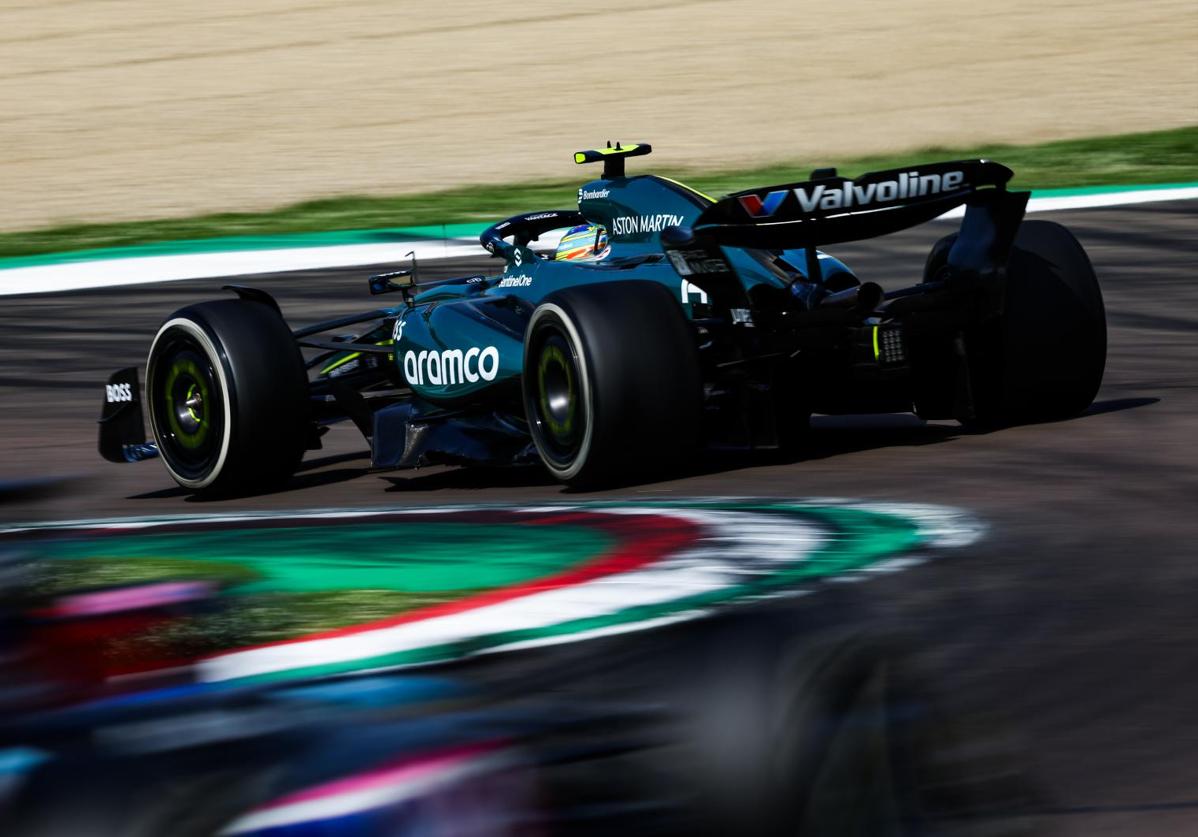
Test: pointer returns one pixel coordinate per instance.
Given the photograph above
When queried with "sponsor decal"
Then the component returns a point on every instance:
(345, 368)
(823, 196)
(521, 281)
(690, 262)
(451, 366)
(540, 216)
(518, 257)
(592, 194)
(639, 224)
(759, 207)
(397, 330)
(688, 289)
(116, 393)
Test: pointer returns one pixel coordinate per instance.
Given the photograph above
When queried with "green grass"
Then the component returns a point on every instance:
(238, 619)
(272, 617)
(64, 577)
(1147, 158)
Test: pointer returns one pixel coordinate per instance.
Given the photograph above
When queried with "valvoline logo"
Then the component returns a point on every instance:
(757, 207)
(845, 194)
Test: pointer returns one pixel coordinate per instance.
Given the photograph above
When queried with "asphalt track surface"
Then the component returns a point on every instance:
(1073, 622)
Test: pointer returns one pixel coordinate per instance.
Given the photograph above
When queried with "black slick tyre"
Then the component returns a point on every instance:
(612, 387)
(1044, 358)
(228, 397)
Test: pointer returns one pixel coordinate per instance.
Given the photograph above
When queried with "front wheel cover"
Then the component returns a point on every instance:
(558, 396)
(183, 363)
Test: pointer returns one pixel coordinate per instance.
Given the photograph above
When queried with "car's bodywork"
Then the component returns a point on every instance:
(781, 329)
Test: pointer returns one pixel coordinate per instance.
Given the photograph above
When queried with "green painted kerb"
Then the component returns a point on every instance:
(407, 557)
(295, 579)
(855, 539)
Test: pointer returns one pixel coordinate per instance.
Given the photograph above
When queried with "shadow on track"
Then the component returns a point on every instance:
(1114, 405)
(307, 476)
(830, 436)
(522, 476)
(39, 488)
(1098, 408)
(336, 459)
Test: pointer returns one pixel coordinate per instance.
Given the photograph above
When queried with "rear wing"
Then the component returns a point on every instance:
(829, 209)
(832, 209)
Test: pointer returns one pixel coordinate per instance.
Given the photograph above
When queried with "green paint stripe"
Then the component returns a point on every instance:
(410, 557)
(386, 235)
(237, 244)
(857, 539)
(1101, 190)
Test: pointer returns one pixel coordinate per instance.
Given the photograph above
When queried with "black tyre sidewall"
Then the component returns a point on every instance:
(176, 329)
(1053, 327)
(1044, 357)
(550, 321)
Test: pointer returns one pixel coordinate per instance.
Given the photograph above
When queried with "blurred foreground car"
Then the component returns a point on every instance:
(772, 719)
(667, 321)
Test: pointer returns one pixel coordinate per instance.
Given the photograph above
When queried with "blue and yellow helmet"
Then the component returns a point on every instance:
(585, 243)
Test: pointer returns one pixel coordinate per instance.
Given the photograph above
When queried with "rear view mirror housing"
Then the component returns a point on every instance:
(385, 283)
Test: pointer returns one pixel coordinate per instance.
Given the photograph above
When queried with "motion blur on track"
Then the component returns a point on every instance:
(137, 702)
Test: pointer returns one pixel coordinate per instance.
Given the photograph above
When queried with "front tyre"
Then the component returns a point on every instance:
(612, 388)
(228, 397)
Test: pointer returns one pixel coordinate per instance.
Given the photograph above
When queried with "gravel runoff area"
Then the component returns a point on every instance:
(124, 109)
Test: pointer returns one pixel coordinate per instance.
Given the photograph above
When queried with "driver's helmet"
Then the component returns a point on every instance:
(584, 243)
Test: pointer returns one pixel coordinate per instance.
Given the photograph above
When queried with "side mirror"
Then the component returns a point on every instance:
(385, 283)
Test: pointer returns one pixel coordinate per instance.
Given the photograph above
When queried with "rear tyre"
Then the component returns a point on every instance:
(612, 388)
(1043, 359)
(228, 397)
(937, 259)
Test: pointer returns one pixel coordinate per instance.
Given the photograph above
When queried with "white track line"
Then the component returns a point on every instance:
(1101, 199)
(109, 273)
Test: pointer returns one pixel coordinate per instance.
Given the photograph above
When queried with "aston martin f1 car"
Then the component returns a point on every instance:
(673, 322)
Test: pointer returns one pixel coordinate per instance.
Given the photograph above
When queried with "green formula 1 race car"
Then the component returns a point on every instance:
(668, 322)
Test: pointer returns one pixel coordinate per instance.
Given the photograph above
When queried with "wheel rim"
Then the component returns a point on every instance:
(186, 407)
(557, 412)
